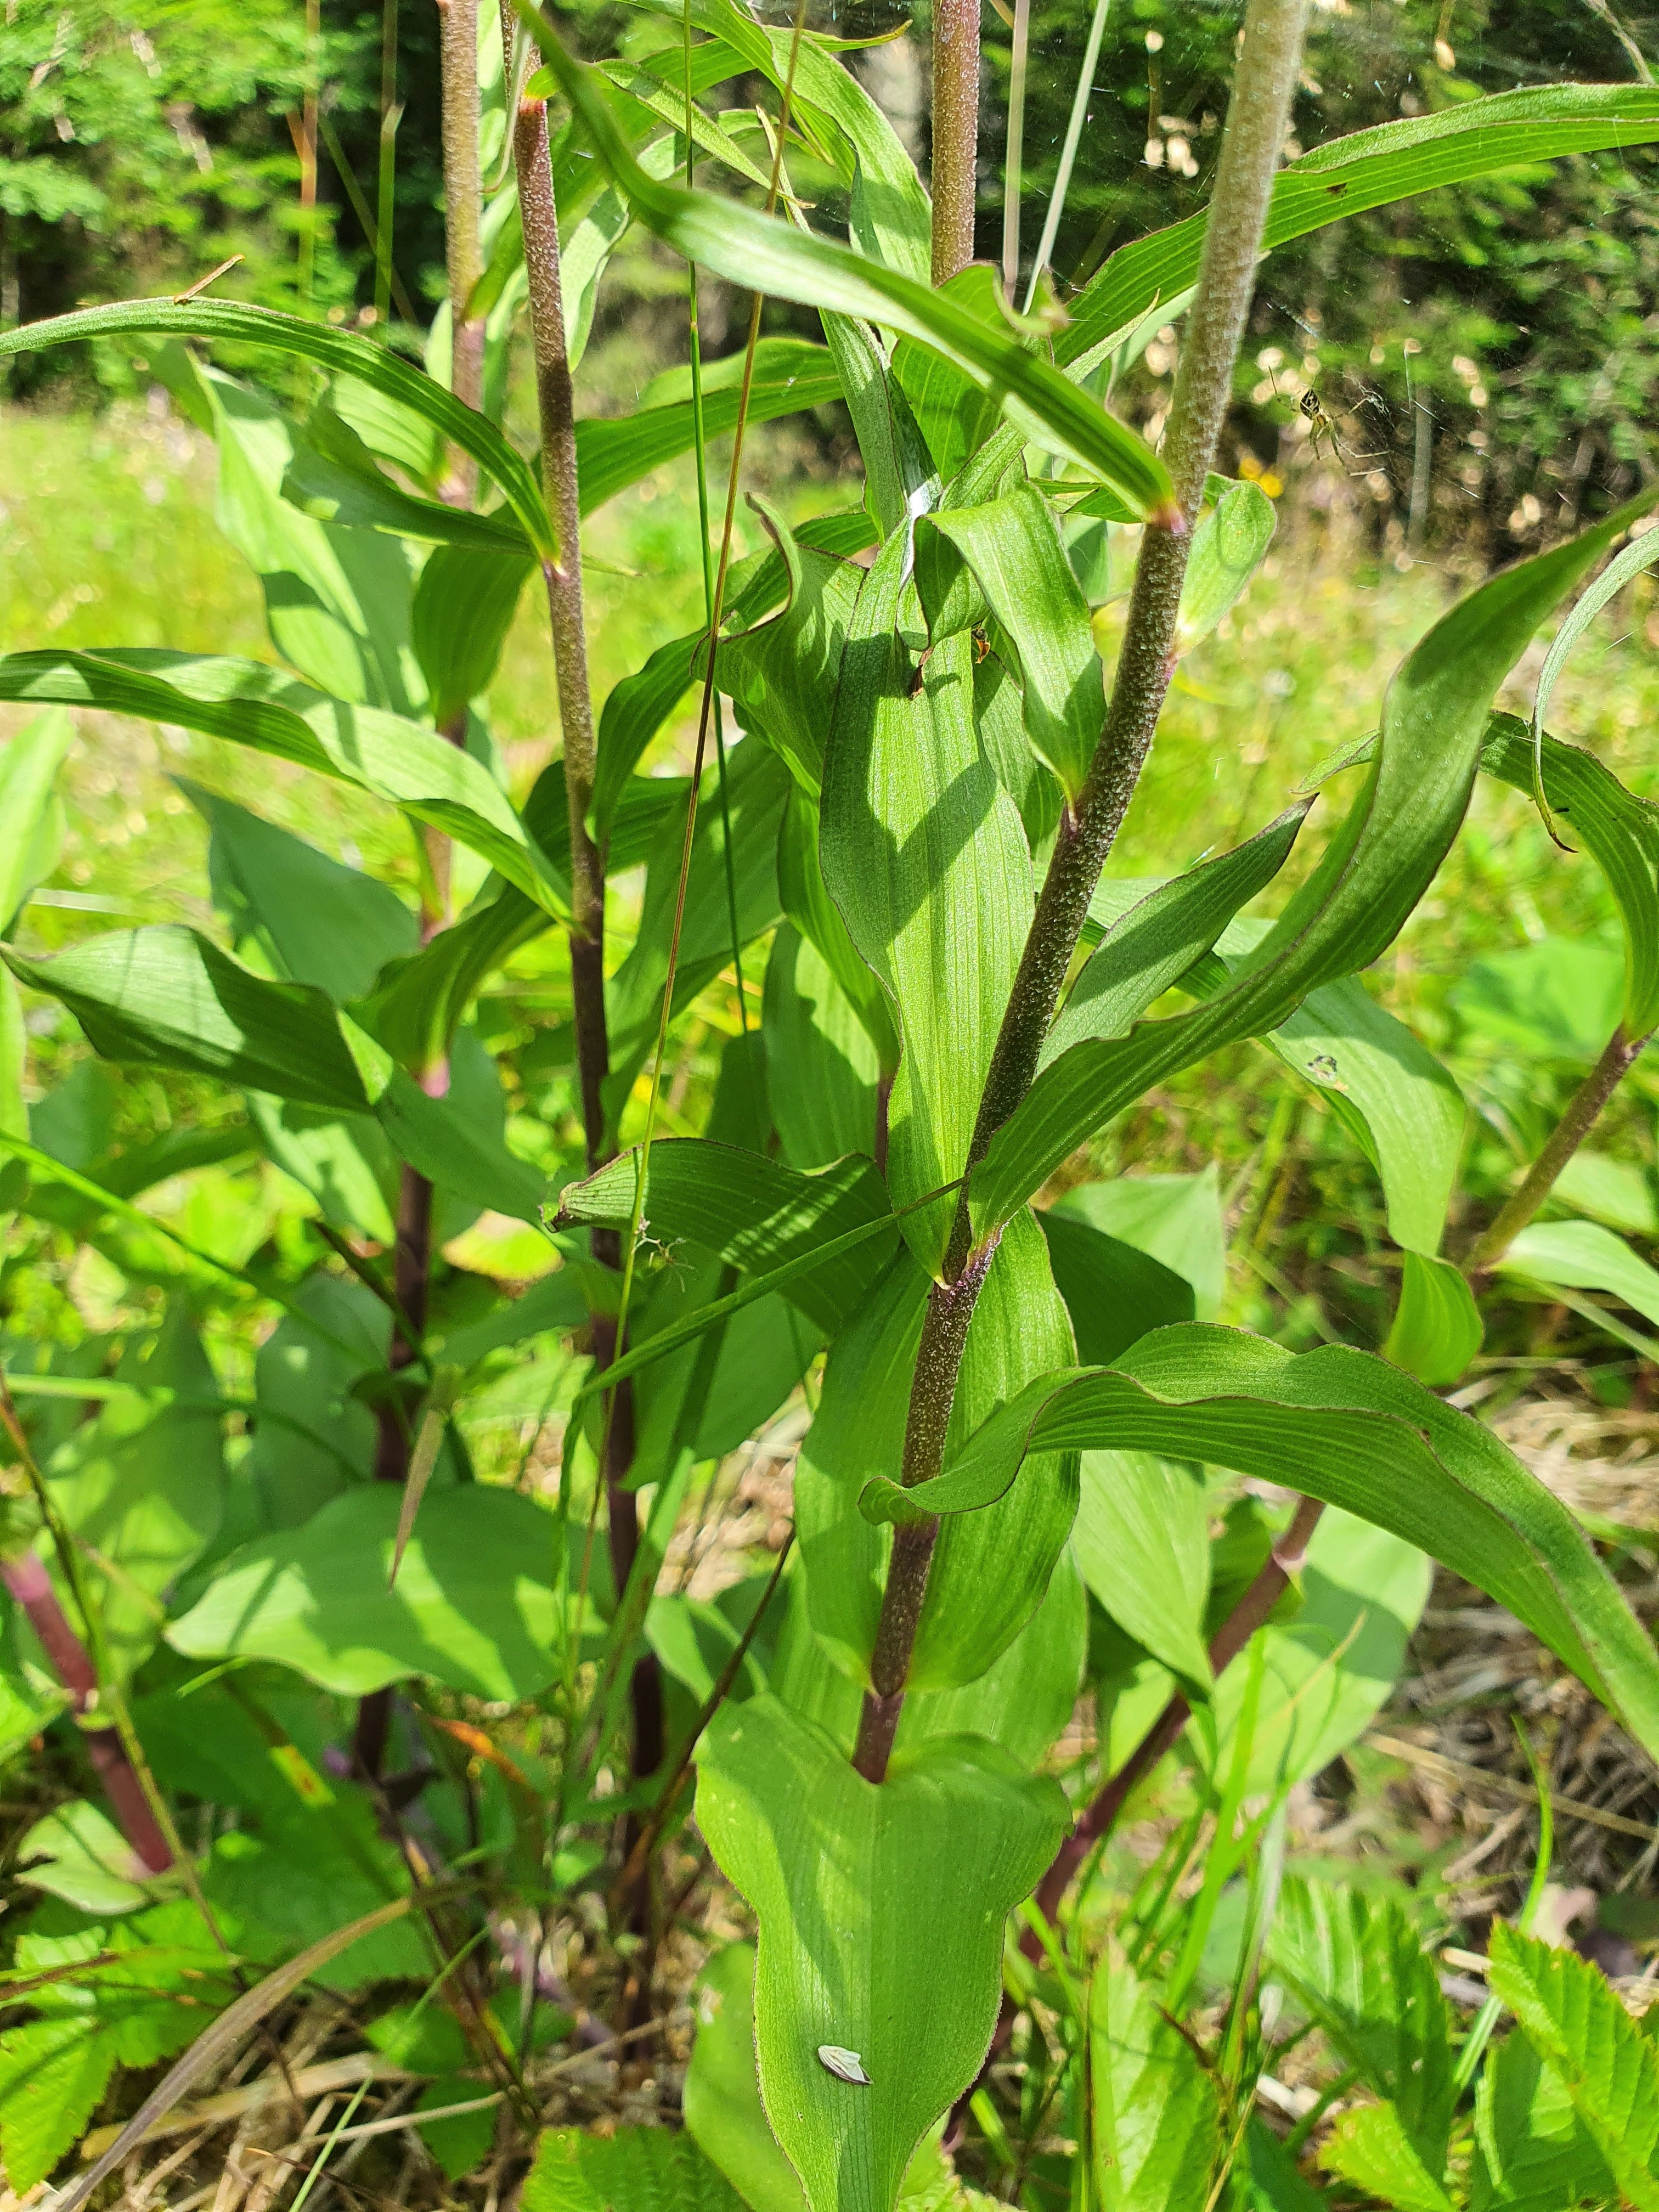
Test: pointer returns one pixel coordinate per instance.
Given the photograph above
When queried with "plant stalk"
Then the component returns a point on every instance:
(555, 404)
(458, 24)
(1584, 1111)
(30, 1586)
(956, 133)
(1257, 117)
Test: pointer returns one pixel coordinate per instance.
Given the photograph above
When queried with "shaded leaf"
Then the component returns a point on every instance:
(1437, 1328)
(1155, 2115)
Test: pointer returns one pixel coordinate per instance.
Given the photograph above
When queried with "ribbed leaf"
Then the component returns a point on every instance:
(1229, 546)
(462, 610)
(1611, 2070)
(647, 2169)
(342, 353)
(1371, 2149)
(880, 1913)
(253, 705)
(1581, 1256)
(754, 1212)
(1532, 2152)
(1142, 1540)
(1374, 870)
(1154, 2112)
(333, 478)
(1346, 1427)
(762, 254)
(1367, 169)
(1437, 1325)
(1358, 1965)
(925, 858)
(1620, 832)
(28, 771)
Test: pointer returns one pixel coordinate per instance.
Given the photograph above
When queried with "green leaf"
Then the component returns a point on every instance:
(644, 2169)
(1371, 2149)
(1142, 1540)
(1620, 832)
(259, 707)
(1229, 546)
(1532, 2151)
(1611, 2070)
(462, 2142)
(1174, 1220)
(1155, 939)
(143, 1483)
(1358, 1965)
(753, 1211)
(1401, 1104)
(1329, 1667)
(821, 1071)
(1438, 1328)
(53, 2073)
(28, 773)
(474, 1607)
(989, 1570)
(1556, 1000)
(1349, 909)
(341, 353)
(1641, 553)
(951, 413)
(806, 901)
(78, 1854)
(166, 994)
(781, 675)
(880, 1913)
(924, 854)
(345, 1162)
(721, 2099)
(463, 610)
(316, 921)
(1367, 169)
(754, 249)
(1113, 1292)
(1013, 547)
(1581, 1256)
(615, 451)
(1154, 2112)
(300, 1374)
(1343, 1426)
(413, 1006)
(1612, 1191)
(333, 478)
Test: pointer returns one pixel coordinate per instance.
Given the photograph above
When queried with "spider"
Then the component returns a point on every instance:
(1321, 427)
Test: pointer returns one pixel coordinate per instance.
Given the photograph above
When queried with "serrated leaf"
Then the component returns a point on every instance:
(1371, 2149)
(1611, 2070)
(1532, 2152)
(52, 2075)
(1359, 1966)
(880, 1913)
(644, 2169)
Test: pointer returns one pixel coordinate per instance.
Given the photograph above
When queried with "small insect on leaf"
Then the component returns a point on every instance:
(845, 2065)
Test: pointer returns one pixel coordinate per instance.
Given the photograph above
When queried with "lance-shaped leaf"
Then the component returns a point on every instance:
(167, 995)
(1375, 869)
(781, 674)
(806, 901)
(333, 476)
(1013, 547)
(1113, 1291)
(880, 1913)
(1573, 2020)
(1229, 546)
(1346, 1427)
(261, 708)
(31, 815)
(341, 353)
(1620, 832)
(1154, 2112)
(1582, 1255)
(615, 451)
(1142, 1540)
(1156, 940)
(925, 857)
(764, 255)
(754, 1212)
(1367, 169)
(459, 620)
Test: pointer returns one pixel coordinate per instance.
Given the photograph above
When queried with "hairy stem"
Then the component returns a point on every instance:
(956, 133)
(555, 406)
(31, 1589)
(457, 22)
(1583, 1110)
(1257, 116)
